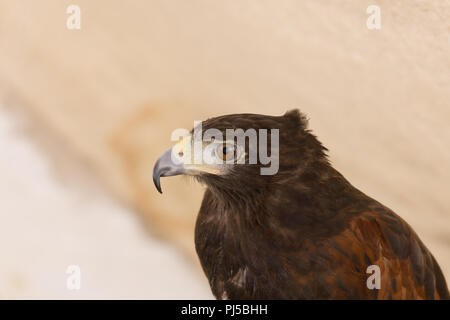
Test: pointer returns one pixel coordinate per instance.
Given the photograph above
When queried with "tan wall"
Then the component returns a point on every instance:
(114, 91)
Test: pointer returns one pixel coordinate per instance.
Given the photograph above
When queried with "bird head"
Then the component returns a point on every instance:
(240, 152)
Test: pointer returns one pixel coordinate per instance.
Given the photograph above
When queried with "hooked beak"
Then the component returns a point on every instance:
(165, 166)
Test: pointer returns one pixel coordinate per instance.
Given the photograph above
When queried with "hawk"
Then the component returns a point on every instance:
(304, 232)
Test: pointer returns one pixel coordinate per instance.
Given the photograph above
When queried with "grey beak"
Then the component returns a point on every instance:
(165, 167)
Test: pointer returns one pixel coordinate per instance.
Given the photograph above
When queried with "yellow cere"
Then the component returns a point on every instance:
(182, 151)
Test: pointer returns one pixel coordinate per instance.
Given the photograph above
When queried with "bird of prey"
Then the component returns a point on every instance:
(304, 232)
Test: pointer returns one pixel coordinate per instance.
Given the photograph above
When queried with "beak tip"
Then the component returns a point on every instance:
(157, 185)
(165, 167)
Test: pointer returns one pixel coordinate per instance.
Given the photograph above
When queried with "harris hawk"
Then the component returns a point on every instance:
(304, 232)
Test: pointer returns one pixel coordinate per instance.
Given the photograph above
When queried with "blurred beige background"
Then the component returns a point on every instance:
(85, 113)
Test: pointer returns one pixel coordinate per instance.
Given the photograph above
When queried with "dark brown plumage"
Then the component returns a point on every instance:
(306, 232)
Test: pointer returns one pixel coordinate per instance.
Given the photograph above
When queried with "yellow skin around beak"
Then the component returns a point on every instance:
(185, 157)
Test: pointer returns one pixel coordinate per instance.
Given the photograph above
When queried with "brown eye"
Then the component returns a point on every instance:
(225, 152)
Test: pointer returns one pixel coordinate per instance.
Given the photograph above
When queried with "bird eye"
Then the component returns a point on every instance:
(225, 152)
